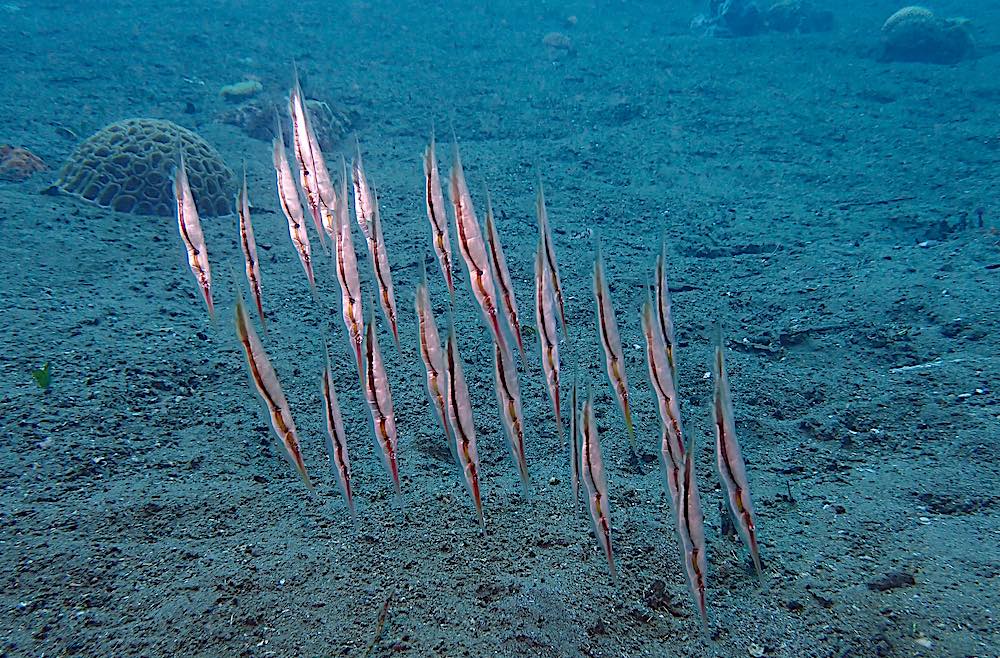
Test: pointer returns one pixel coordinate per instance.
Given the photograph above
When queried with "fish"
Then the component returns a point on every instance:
(249, 247)
(265, 381)
(379, 399)
(336, 440)
(691, 531)
(346, 261)
(663, 314)
(189, 226)
(364, 200)
(329, 202)
(596, 482)
(551, 263)
(509, 403)
(502, 272)
(548, 341)
(383, 274)
(432, 356)
(607, 327)
(574, 444)
(729, 459)
(437, 215)
(470, 243)
(463, 428)
(288, 196)
(661, 378)
(308, 156)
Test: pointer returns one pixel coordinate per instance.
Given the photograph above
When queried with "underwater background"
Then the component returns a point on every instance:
(829, 201)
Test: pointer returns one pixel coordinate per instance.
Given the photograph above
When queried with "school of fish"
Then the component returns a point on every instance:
(492, 288)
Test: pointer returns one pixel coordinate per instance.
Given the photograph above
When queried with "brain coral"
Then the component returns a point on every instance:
(915, 34)
(907, 15)
(128, 167)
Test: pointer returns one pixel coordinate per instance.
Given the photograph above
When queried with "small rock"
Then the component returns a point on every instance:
(558, 45)
(599, 628)
(892, 580)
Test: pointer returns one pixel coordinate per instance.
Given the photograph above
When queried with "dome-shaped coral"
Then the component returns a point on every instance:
(128, 167)
(915, 34)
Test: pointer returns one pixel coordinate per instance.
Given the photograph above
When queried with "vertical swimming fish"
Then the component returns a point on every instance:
(663, 315)
(463, 428)
(596, 482)
(288, 196)
(364, 200)
(607, 327)
(470, 243)
(437, 215)
(432, 356)
(379, 399)
(265, 380)
(336, 439)
(383, 275)
(502, 272)
(574, 445)
(189, 226)
(549, 251)
(729, 459)
(545, 319)
(309, 160)
(329, 203)
(691, 530)
(509, 402)
(661, 377)
(249, 247)
(346, 260)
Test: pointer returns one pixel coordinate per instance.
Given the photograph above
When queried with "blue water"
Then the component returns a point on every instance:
(829, 205)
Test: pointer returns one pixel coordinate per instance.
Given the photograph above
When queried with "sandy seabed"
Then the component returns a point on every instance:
(819, 204)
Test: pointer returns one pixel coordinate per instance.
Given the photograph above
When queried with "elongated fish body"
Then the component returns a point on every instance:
(189, 225)
(548, 341)
(509, 403)
(661, 377)
(463, 428)
(729, 459)
(364, 199)
(499, 264)
(663, 313)
(691, 531)
(329, 203)
(574, 444)
(346, 261)
(470, 243)
(549, 252)
(437, 215)
(383, 274)
(379, 399)
(308, 156)
(248, 245)
(288, 196)
(336, 438)
(433, 358)
(614, 359)
(265, 381)
(596, 482)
